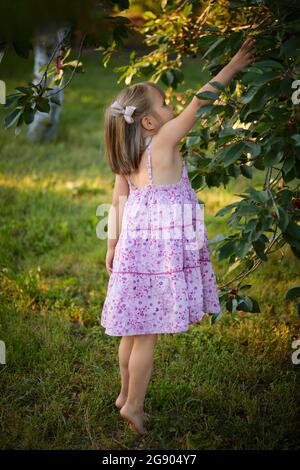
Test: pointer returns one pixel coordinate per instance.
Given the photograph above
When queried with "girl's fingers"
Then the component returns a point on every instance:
(248, 43)
(251, 53)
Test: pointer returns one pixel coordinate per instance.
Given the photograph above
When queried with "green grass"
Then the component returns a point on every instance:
(228, 386)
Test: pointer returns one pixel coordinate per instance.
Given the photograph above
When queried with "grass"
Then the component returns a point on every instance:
(231, 385)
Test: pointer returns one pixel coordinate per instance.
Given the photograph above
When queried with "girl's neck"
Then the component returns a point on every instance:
(148, 139)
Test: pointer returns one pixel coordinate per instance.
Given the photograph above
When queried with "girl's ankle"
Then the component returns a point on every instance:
(135, 408)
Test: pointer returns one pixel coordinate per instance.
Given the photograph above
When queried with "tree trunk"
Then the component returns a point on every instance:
(44, 127)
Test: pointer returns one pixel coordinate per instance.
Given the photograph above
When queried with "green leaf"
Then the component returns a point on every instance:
(259, 247)
(206, 41)
(203, 163)
(289, 163)
(293, 293)
(55, 100)
(269, 64)
(291, 47)
(213, 46)
(293, 230)
(255, 306)
(258, 196)
(242, 248)
(231, 305)
(43, 105)
(233, 153)
(204, 109)
(262, 126)
(12, 117)
(258, 78)
(218, 85)
(226, 209)
(283, 219)
(245, 303)
(272, 157)
(193, 140)
(218, 108)
(245, 287)
(213, 110)
(210, 28)
(12, 98)
(149, 15)
(24, 90)
(296, 138)
(179, 75)
(226, 250)
(217, 238)
(234, 170)
(285, 197)
(216, 317)
(255, 149)
(247, 171)
(167, 77)
(246, 209)
(250, 226)
(187, 10)
(28, 115)
(207, 95)
(247, 97)
(296, 251)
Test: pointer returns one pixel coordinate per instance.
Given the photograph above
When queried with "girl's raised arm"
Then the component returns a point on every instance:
(175, 129)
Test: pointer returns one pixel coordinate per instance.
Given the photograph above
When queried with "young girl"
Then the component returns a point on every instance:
(158, 283)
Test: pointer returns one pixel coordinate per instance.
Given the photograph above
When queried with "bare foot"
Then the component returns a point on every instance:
(120, 402)
(134, 419)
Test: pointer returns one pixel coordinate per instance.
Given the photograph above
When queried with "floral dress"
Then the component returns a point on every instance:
(162, 278)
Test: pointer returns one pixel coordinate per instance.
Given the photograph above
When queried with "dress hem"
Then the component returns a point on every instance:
(159, 331)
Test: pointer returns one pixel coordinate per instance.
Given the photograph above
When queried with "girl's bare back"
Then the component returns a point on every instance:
(166, 165)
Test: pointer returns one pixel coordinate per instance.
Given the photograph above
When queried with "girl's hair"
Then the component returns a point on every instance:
(124, 142)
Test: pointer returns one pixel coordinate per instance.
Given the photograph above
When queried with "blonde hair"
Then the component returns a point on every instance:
(124, 142)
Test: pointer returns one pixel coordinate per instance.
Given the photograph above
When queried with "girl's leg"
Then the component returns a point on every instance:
(125, 348)
(140, 368)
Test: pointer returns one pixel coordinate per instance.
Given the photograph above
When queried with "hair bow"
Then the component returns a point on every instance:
(127, 111)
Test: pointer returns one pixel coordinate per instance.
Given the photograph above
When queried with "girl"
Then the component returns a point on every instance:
(158, 283)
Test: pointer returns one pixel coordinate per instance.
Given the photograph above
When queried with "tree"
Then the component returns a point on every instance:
(43, 125)
(49, 30)
(255, 124)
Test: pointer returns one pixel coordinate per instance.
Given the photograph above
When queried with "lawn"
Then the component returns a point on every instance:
(231, 385)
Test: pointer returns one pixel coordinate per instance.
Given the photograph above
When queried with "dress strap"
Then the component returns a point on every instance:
(129, 181)
(184, 169)
(149, 166)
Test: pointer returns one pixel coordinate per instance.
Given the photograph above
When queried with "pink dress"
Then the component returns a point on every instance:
(162, 278)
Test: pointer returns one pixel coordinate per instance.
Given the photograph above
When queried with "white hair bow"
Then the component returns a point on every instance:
(127, 111)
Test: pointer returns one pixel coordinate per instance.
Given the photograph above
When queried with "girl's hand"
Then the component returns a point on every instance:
(245, 56)
(109, 259)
